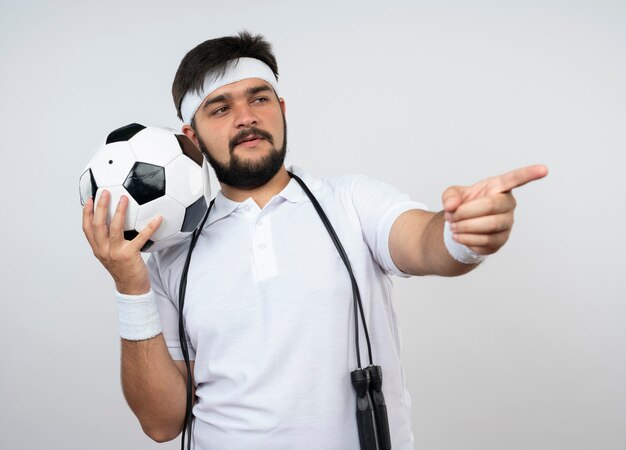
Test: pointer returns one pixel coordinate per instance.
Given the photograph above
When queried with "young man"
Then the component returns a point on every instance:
(268, 311)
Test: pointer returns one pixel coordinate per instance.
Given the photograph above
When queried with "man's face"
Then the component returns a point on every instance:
(241, 127)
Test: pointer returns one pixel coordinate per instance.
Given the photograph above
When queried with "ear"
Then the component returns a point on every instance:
(282, 105)
(190, 134)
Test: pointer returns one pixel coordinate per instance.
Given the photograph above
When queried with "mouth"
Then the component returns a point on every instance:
(250, 141)
(250, 138)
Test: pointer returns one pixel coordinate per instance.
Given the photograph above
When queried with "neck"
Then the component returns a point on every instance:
(262, 194)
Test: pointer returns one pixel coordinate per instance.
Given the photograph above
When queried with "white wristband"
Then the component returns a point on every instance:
(459, 251)
(138, 316)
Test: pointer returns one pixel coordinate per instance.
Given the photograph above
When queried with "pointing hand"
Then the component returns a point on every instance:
(481, 215)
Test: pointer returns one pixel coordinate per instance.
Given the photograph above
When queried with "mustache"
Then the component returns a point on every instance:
(251, 131)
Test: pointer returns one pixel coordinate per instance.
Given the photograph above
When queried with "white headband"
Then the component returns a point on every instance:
(236, 70)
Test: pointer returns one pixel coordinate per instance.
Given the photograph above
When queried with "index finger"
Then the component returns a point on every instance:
(519, 177)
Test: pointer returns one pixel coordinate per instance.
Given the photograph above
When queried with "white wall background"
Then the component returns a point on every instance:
(528, 352)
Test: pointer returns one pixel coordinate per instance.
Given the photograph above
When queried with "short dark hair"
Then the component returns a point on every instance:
(213, 56)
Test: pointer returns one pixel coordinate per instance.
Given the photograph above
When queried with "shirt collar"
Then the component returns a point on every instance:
(293, 193)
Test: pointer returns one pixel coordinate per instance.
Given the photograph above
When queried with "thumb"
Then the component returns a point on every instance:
(452, 198)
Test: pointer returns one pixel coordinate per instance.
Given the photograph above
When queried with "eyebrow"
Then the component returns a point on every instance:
(224, 97)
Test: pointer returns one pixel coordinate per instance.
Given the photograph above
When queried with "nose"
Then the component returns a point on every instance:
(245, 116)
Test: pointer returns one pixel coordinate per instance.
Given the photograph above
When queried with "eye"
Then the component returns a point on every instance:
(260, 100)
(219, 111)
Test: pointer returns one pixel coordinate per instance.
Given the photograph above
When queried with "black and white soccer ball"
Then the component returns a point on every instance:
(160, 171)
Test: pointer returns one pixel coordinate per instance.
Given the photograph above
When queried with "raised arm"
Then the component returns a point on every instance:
(154, 385)
(480, 217)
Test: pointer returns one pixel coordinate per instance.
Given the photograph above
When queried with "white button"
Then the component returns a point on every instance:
(262, 246)
(259, 222)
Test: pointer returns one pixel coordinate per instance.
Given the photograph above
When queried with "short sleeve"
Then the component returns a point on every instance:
(168, 311)
(378, 205)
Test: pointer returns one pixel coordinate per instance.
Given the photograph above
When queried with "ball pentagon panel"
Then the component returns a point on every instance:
(124, 133)
(190, 149)
(194, 214)
(87, 186)
(145, 182)
(129, 235)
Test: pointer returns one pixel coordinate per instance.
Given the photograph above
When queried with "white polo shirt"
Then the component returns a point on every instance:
(269, 318)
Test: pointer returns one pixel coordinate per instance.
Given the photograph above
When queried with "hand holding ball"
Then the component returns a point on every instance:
(161, 172)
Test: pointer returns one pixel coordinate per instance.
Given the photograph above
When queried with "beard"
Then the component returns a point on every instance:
(245, 174)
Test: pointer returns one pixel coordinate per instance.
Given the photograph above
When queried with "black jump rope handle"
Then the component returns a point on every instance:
(380, 409)
(364, 410)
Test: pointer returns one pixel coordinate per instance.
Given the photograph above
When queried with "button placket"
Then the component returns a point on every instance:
(263, 248)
